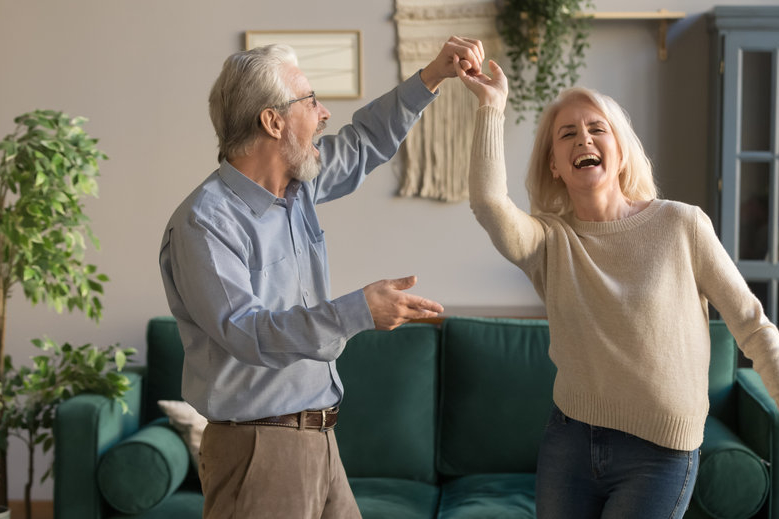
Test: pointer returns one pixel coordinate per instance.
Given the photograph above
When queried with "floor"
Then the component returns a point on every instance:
(40, 509)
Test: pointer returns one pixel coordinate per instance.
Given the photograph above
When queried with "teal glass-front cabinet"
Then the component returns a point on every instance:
(745, 73)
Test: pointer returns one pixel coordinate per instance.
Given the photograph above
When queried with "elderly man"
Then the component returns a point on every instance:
(245, 270)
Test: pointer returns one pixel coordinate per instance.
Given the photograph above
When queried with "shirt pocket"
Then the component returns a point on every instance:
(270, 283)
(317, 243)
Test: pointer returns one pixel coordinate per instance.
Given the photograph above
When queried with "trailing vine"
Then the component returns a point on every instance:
(545, 42)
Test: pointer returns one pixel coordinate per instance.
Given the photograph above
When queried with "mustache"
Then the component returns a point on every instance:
(321, 126)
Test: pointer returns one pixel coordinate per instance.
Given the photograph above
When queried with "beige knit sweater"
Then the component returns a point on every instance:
(626, 302)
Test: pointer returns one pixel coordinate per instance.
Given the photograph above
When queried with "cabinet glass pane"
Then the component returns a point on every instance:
(761, 290)
(756, 101)
(753, 243)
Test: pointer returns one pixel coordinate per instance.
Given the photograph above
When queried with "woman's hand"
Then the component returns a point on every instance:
(490, 91)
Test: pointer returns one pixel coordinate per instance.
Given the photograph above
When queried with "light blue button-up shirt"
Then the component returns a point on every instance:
(247, 278)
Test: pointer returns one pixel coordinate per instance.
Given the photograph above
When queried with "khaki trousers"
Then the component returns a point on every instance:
(256, 471)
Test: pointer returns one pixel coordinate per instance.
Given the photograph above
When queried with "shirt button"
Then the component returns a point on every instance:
(299, 252)
(305, 293)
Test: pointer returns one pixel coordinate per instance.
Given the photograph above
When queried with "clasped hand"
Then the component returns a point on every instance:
(457, 54)
(491, 91)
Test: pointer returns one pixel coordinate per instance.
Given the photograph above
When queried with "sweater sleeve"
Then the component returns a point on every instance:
(517, 236)
(724, 286)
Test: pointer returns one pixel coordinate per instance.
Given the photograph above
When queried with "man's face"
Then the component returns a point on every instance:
(305, 121)
(302, 158)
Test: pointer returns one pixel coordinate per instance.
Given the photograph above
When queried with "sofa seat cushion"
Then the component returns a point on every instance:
(184, 504)
(732, 481)
(142, 470)
(489, 496)
(392, 498)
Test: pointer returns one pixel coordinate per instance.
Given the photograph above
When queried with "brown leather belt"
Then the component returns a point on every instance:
(324, 420)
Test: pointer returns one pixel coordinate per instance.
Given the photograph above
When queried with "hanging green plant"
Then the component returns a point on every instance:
(545, 42)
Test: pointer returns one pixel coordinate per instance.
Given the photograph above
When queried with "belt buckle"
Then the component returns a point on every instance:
(324, 420)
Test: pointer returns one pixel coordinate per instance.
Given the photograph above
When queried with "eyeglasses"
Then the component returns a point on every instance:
(311, 96)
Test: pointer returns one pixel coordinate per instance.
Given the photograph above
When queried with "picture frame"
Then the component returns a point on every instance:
(331, 60)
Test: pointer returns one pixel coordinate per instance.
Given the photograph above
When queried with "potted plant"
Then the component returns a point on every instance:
(545, 42)
(30, 395)
(47, 166)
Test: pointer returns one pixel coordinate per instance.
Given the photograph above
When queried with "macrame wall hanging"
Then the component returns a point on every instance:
(436, 154)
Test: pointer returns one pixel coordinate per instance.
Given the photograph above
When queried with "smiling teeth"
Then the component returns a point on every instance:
(586, 160)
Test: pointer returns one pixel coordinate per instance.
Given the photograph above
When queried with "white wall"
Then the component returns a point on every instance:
(140, 70)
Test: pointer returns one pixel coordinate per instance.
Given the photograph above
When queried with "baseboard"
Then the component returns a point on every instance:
(40, 509)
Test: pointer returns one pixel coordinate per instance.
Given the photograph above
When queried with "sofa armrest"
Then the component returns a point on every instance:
(758, 426)
(758, 416)
(85, 426)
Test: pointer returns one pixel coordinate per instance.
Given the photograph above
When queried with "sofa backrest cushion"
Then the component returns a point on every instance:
(496, 394)
(164, 360)
(386, 426)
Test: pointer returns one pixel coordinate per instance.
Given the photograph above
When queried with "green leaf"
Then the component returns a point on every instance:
(120, 359)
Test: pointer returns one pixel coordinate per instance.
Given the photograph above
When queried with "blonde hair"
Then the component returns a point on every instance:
(250, 82)
(635, 170)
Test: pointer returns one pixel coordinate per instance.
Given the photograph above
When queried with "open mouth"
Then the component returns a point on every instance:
(585, 161)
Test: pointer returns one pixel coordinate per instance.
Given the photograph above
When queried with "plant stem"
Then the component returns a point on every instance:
(30, 474)
(4, 293)
(3, 478)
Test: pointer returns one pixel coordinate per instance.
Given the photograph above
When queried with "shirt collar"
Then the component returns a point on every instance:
(254, 195)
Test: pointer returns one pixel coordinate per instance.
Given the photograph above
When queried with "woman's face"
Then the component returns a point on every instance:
(585, 154)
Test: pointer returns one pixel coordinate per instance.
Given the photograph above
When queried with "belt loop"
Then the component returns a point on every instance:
(302, 420)
(324, 420)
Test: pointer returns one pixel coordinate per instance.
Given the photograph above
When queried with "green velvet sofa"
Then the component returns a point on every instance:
(439, 421)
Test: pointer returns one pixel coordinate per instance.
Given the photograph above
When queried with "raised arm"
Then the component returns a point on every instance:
(515, 234)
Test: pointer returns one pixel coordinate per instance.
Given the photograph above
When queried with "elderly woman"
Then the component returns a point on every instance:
(626, 279)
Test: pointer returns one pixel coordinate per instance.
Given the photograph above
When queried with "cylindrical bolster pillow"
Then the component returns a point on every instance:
(732, 479)
(143, 469)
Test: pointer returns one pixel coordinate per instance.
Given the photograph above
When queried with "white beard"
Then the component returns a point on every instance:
(304, 165)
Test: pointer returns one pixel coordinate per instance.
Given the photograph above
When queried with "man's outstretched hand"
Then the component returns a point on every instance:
(391, 307)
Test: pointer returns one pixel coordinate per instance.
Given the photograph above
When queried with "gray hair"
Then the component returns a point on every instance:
(250, 82)
(635, 170)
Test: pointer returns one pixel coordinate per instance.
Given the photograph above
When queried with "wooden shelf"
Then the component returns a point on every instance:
(662, 16)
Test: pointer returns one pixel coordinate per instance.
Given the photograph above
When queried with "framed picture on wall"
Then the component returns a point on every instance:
(331, 60)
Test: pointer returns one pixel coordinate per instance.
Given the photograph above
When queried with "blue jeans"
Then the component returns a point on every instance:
(596, 472)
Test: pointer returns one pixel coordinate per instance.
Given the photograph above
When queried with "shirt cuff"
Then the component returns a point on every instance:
(355, 313)
(415, 94)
